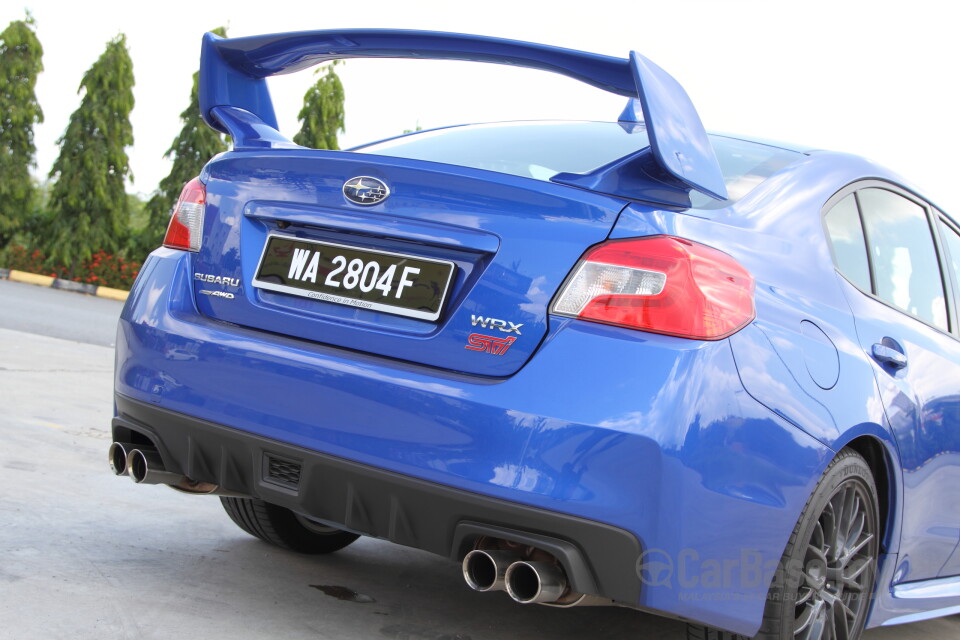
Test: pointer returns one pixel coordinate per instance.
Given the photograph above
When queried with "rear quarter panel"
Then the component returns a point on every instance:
(800, 358)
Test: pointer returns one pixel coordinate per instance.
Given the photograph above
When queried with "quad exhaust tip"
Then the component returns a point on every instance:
(486, 570)
(526, 581)
(530, 582)
(145, 466)
(117, 454)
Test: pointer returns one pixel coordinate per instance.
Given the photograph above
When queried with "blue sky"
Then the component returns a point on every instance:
(873, 78)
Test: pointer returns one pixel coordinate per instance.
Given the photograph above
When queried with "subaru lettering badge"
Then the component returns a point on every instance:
(365, 190)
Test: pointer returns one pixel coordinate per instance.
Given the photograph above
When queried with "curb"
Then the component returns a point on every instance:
(66, 285)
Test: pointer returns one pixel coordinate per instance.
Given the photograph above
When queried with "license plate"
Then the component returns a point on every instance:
(394, 283)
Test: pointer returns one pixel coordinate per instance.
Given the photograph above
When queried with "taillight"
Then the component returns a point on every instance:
(660, 284)
(186, 221)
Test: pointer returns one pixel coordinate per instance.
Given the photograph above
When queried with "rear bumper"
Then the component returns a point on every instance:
(379, 503)
(651, 456)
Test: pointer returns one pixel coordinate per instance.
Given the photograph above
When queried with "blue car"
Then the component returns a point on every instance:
(622, 362)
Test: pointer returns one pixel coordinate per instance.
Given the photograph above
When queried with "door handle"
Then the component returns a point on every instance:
(889, 356)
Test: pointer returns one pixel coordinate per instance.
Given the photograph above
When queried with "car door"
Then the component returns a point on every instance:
(903, 301)
(950, 407)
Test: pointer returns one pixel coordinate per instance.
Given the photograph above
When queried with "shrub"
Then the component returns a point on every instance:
(108, 270)
(104, 269)
(18, 257)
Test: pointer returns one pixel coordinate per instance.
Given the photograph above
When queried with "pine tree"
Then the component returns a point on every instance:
(20, 63)
(322, 114)
(88, 199)
(191, 149)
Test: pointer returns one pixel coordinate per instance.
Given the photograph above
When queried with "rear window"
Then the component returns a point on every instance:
(541, 150)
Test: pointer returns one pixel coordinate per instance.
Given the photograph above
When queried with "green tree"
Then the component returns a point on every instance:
(20, 63)
(191, 149)
(322, 114)
(88, 200)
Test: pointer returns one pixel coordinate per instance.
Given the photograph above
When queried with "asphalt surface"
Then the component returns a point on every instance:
(58, 314)
(88, 555)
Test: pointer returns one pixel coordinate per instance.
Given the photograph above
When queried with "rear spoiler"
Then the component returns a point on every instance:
(233, 72)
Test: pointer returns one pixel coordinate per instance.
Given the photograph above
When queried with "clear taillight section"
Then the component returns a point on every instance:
(186, 221)
(660, 284)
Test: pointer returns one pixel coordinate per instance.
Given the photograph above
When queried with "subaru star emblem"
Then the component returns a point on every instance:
(365, 190)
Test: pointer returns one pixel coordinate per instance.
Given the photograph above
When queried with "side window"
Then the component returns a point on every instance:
(849, 247)
(902, 253)
(952, 239)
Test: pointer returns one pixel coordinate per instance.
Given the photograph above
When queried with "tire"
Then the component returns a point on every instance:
(283, 528)
(838, 536)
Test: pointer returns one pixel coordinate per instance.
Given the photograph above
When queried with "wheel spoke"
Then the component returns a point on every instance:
(829, 598)
(843, 617)
(804, 594)
(828, 527)
(852, 580)
(847, 611)
(809, 626)
(844, 523)
(829, 626)
(852, 551)
(815, 552)
(815, 548)
(856, 530)
(838, 620)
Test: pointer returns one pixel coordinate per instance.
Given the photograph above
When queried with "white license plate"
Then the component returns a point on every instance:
(395, 283)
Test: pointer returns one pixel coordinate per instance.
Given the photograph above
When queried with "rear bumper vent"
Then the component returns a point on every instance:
(281, 471)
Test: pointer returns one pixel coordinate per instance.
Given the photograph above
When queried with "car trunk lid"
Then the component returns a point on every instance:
(476, 256)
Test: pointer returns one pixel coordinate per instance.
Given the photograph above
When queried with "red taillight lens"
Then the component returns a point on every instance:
(660, 284)
(186, 222)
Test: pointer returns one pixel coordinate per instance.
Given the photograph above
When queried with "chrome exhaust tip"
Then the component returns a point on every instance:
(486, 570)
(117, 453)
(145, 466)
(535, 582)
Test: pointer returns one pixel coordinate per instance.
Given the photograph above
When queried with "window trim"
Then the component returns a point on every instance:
(950, 288)
(866, 242)
(946, 256)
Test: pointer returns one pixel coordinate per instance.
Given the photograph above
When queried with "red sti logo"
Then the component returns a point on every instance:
(496, 346)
